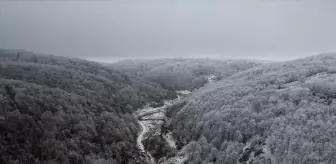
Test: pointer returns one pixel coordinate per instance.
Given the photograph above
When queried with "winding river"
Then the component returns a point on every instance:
(150, 118)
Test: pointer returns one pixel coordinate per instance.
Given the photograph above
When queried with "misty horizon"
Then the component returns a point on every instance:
(273, 58)
(168, 82)
(115, 30)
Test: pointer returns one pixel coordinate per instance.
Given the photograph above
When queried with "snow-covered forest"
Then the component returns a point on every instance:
(67, 110)
(281, 113)
(61, 110)
(182, 74)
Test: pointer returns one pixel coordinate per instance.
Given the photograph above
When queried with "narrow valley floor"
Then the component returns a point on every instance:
(151, 136)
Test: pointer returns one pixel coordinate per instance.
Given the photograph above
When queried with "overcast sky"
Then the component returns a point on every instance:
(117, 29)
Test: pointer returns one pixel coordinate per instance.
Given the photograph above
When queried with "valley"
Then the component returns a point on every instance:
(170, 111)
(168, 82)
(151, 121)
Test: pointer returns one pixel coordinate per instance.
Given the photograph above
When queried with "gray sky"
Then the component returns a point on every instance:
(116, 29)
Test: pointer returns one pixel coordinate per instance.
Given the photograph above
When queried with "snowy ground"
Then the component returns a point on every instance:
(146, 126)
(211, 78)
(144, 130)
(180, 157)
(169, 138)
(175, 160)
(184, 92)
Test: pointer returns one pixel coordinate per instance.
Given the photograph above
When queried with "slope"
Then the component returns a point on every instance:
(61, 110)
(182, 74)
(275, 113)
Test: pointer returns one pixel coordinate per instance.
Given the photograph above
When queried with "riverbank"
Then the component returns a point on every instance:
(150, 120)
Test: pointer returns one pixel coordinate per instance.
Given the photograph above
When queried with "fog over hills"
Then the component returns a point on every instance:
(183, 73)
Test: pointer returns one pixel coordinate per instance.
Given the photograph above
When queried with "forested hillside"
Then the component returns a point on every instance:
(280, 113)
(81, 77)
(182, 74)
(61, 110)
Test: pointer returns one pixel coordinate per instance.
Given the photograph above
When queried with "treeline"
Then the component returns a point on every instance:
(60, 110)
(271, 114)
(81, 77)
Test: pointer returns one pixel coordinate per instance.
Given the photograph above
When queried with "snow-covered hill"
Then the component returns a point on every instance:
(273, 113)
(183, 74)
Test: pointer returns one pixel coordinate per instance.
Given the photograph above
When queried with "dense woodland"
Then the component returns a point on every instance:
(60, 110)
(182, 74)
(279, 113)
